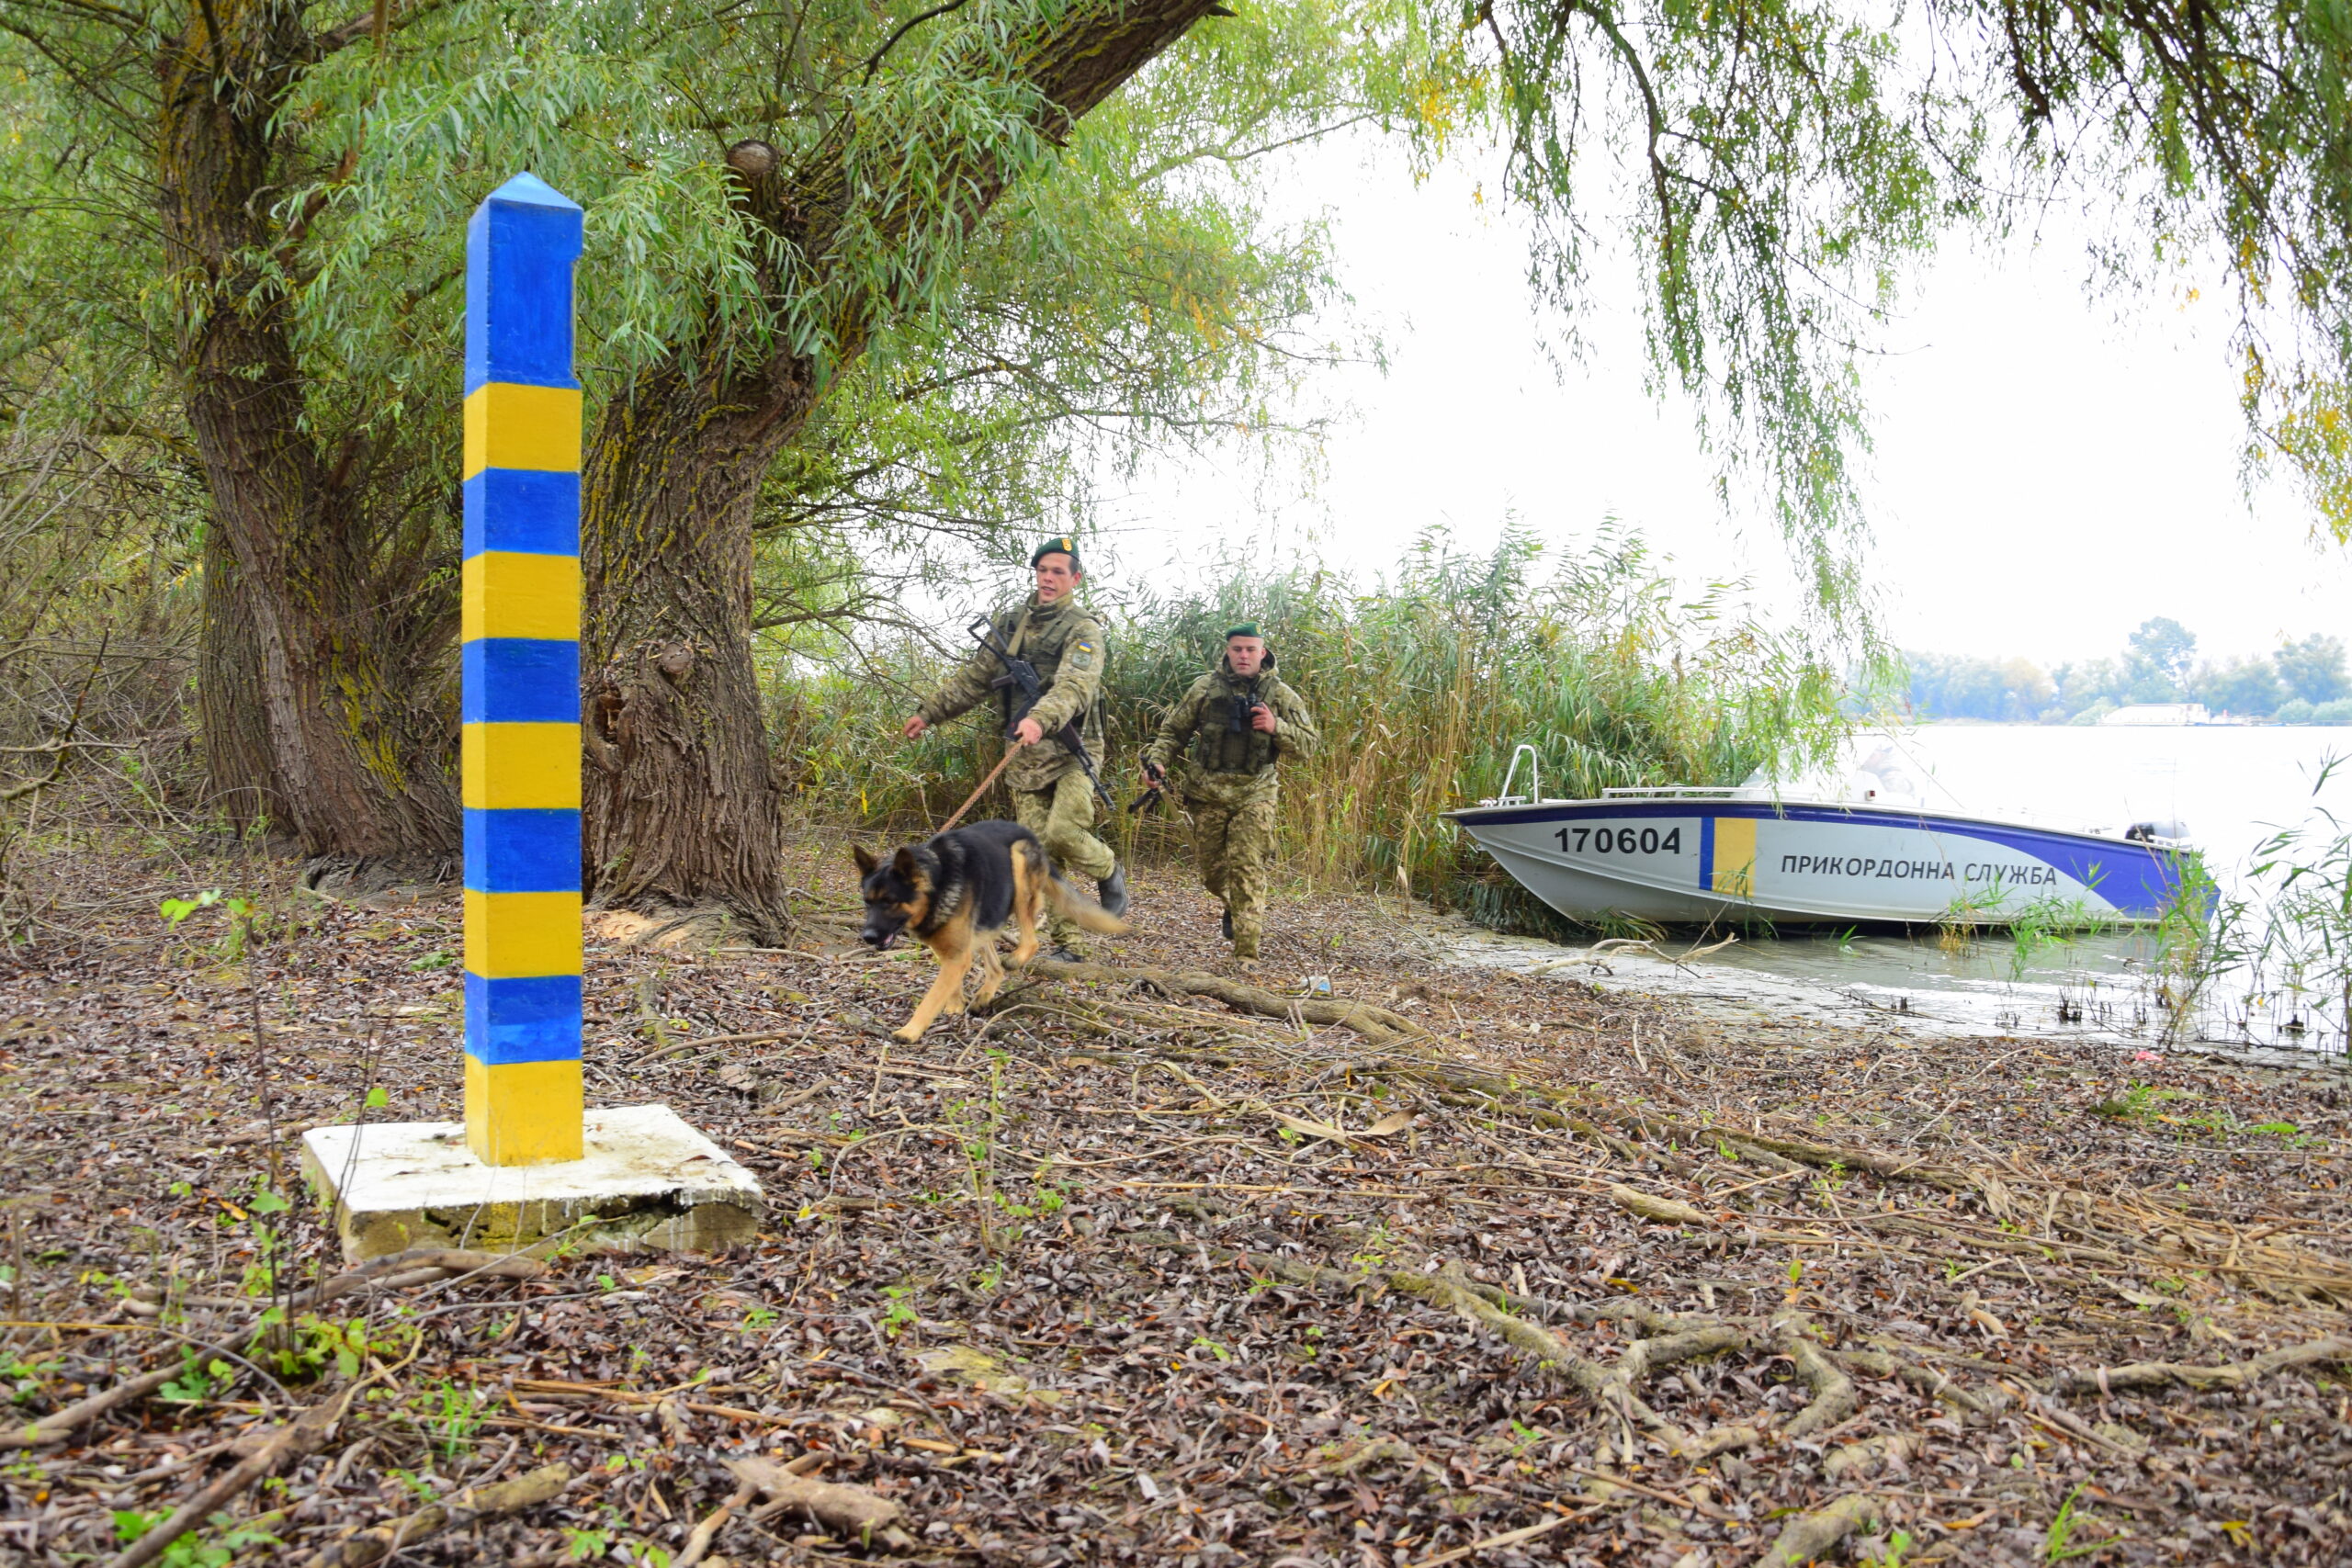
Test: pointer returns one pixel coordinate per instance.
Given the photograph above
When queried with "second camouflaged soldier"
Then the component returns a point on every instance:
(1051, 794)
(1223, 740)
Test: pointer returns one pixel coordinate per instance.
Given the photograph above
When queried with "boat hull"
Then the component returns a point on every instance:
(1678, 861)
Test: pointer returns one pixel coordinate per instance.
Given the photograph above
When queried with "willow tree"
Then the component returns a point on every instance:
(1778, 167)
(818, 189)
(770, 192)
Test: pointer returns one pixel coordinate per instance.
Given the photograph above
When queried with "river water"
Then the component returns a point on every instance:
(2229, 788)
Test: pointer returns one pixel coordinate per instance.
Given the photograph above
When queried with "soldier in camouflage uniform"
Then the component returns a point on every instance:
(1223, 740)
(1051, 796)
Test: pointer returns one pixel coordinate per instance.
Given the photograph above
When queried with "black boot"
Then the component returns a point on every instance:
(1229, 925)
(1112, 891)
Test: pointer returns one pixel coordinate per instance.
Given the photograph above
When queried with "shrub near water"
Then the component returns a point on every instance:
(1421, 683)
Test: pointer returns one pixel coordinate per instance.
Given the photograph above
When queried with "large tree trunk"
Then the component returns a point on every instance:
(683, 805)
(328, 666)
(233, 722)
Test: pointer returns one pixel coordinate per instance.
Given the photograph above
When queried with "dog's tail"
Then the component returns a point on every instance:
(1069, 903)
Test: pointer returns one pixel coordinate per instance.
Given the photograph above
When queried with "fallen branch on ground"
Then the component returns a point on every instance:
(456, 1511)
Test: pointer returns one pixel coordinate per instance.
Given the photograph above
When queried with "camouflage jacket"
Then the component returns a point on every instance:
(1065, 643)
(1212, 763)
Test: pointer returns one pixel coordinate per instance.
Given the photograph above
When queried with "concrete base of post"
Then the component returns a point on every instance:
(648, 1182)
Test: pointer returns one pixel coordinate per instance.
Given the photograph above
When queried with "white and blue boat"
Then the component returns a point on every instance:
(1868, 851)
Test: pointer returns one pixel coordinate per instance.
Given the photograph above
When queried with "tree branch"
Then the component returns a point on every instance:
(873, 61)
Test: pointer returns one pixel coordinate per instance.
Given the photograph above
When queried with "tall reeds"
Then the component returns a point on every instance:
(1422, 684)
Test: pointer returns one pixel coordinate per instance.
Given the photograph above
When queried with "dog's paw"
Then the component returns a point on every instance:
(906, 1036)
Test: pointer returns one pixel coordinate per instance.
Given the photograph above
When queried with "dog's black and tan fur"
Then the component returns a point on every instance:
(954, 892)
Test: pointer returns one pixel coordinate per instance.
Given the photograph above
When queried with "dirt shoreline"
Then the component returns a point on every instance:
(1593, 1277)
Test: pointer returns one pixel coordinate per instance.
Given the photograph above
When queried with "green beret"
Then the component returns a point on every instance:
(1065, 546)
(1247, 628)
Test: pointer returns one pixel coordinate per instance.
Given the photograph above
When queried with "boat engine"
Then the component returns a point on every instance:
(2155, 832)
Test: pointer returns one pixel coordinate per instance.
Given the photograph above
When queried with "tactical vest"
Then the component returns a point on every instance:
(1041, 642)
(1226, 741)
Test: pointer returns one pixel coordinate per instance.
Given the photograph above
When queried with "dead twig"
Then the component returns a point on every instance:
(60, 1425)
(698, 1542)
(303, 1435)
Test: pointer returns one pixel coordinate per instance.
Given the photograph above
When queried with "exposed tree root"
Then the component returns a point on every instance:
(1346, 1460)
(1808, 1536)
(1933, 1381)
(2230, 1375)
(1376, 1024)
(1677, 1337)
(2122, 1230)
(1665, 1211)
(1868, 1454)
(1833, 1391)
(865, 1515)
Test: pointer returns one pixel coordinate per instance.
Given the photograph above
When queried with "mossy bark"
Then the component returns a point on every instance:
(325, 676)
(681, 803)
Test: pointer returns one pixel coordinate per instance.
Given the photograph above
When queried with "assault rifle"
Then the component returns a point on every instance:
(1023, 687)
(1154, 795)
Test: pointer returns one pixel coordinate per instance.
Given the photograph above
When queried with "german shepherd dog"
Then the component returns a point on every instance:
(954, 892)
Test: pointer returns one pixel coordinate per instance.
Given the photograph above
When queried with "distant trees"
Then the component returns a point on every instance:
(2305, 681)
(2157, 659)
(2241, 686)
(2313, 670)
(2001, 691)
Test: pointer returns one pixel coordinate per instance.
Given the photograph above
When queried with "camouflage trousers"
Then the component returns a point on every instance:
(1234, 846)
(1062, 816)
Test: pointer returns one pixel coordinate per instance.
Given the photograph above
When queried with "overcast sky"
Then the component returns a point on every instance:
(2048, 473)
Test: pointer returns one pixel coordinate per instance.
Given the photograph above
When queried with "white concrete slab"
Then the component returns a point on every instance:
(648, 1181)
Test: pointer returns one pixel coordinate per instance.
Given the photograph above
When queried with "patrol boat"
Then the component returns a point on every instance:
(1861, 851)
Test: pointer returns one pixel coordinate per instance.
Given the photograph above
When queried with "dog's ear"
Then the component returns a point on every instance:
(904, 865)
(865, 858)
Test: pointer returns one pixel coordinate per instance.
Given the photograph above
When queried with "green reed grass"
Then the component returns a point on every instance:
(1421, 683)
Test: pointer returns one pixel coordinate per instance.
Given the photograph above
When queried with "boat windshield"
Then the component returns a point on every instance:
(1868, 769)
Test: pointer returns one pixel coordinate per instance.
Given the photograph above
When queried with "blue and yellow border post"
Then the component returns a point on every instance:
(520, 703)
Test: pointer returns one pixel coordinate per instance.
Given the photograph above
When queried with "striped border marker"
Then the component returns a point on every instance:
(521, 707)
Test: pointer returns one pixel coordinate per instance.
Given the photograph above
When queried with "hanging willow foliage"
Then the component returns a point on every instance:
(1777, 167)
